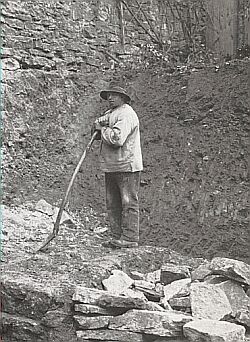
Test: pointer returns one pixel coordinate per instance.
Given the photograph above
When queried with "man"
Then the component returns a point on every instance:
(121, 160)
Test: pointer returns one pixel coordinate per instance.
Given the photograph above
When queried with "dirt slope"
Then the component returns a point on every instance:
(195, 138)
(194, 126)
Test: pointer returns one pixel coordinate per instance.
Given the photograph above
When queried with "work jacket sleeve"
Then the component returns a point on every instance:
(118, 134)
(105, 120)
(98, 136)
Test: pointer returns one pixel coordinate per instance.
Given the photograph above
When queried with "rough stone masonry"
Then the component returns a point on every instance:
(136, 306)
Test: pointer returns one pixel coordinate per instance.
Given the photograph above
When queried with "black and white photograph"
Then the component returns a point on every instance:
(125, 171)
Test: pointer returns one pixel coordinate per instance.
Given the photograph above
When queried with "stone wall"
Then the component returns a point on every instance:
(52, 70)
(174, 303)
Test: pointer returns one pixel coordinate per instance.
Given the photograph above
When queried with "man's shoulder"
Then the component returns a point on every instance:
(126, 109)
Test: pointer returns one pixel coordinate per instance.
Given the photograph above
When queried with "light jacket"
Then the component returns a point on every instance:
(120, 149)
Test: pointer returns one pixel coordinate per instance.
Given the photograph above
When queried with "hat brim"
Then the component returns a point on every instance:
(104, 94)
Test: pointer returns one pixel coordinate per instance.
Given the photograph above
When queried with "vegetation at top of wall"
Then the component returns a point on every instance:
(178, 31)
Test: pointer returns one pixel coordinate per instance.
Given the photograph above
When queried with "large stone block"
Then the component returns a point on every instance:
(180, 303)
(178, 288)
(170, 273)
(88, 309)
(98, 322)
(87, 295)
(209, 301)
(157, 323)
(108, 335)
(232, 269)
(107, 300)
(239, 301)
(118, 282)
(201, 271)
(213, 331)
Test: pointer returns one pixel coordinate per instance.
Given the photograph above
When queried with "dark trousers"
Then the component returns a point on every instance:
(122, 202)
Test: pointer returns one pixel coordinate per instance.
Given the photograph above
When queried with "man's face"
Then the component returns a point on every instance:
(115, 100)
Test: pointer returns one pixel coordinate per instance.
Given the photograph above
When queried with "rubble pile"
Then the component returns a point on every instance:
(78, 291)
(173, 303)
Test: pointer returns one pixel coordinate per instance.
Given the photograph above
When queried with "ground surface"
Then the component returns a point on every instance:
(194, 186)
(75, 256)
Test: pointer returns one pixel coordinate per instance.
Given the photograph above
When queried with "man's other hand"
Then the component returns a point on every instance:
(102, 120)
(97, 126)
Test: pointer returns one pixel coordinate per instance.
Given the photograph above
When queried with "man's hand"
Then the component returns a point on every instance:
(103, 120)
(97, 126)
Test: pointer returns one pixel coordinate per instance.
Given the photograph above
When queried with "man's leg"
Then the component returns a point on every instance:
(113, 204)
(129, 183)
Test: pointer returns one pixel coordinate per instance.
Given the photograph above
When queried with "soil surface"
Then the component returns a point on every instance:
(76, 256)
(195, 141)
(194, 187)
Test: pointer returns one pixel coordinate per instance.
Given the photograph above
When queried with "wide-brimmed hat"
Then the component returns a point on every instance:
(117, 90)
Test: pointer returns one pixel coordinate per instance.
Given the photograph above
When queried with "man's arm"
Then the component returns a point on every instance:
(103, 120)
(117, 135)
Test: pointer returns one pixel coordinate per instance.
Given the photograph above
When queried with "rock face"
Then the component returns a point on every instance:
(213, 331)
(232, 269)
(25, 297)
(151, 322)
(209, 301)
(22, 329)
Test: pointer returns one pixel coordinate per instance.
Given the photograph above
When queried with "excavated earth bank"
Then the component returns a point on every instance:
(194, 187)
(194, 127)
(194, 192)
(195, 140)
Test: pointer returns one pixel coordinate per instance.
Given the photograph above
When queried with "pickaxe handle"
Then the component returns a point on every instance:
(65, 199)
